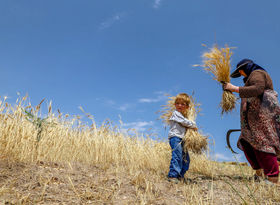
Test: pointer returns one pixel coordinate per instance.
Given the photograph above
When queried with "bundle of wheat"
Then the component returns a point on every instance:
(194, 140)
(217, 63)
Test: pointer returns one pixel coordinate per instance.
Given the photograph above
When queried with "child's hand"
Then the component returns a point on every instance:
(195, 129)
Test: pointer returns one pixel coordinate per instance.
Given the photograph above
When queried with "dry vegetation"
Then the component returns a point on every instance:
(216, 61)
(60, 160)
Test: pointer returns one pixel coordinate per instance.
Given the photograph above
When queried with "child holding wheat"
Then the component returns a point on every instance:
(180, 159)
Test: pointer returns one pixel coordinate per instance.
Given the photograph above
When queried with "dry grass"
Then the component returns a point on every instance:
(76, 163)
(195, 141)
(217, 62)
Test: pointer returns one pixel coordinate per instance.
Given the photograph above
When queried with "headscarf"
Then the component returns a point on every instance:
(248, 66)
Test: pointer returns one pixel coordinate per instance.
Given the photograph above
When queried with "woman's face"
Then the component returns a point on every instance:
(242, 73)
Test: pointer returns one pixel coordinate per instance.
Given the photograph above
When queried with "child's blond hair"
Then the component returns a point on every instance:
(183, 98)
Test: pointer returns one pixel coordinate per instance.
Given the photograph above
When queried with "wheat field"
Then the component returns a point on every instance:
(54, 158)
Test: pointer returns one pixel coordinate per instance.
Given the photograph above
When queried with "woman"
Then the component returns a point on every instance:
(260, 118)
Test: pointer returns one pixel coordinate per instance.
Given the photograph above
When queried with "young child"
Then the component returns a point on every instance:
(180, 160)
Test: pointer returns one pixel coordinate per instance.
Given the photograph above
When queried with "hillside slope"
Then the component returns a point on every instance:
(76, 183)
(58, 159)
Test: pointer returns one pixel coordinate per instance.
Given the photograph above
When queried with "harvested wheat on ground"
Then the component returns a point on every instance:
(194, 140)
(217, 62)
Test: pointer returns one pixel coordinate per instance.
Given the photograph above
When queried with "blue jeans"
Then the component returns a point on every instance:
(180, 160)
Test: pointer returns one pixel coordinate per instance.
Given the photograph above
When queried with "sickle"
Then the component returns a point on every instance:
(228, 143)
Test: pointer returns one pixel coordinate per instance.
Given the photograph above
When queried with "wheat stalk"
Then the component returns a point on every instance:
(216, 62)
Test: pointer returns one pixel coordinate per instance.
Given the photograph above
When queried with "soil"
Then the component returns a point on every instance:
(53, 183)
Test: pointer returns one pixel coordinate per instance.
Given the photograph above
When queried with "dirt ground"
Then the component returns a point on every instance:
(53, 183)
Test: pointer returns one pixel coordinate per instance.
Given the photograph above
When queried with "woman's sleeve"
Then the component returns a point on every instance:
(178, 117)
(256, 85)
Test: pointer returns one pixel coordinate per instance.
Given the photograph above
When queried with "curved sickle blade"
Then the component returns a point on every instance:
(228, 142)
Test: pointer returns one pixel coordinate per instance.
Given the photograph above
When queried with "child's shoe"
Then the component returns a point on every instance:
(187, 180)
(173, 180)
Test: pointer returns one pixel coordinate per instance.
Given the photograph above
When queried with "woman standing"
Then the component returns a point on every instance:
(260, 118)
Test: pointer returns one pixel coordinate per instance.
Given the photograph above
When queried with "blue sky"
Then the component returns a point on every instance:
(119, 58)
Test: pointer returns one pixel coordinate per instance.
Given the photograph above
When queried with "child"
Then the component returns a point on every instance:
(180, 160)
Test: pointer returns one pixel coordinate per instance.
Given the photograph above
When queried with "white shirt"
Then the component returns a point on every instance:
(179, 125)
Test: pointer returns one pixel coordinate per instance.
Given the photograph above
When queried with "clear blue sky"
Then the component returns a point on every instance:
(118, 58)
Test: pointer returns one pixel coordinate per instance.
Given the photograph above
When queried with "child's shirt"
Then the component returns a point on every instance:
(179, 125)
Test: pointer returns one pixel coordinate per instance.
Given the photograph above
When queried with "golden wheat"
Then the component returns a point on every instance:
(217, 62)
(138, 164)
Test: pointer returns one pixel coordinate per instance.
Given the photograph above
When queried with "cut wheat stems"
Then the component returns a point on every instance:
(217, 62)
(194, 141)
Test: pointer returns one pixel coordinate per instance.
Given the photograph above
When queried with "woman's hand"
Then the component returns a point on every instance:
(231, 87)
